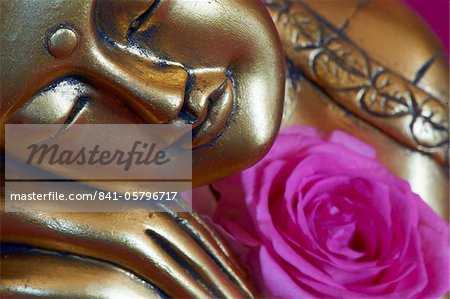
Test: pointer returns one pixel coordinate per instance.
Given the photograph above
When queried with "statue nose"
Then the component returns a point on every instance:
(203, 86)
(155, 91)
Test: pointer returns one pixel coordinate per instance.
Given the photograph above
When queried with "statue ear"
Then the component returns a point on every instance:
(117, 19)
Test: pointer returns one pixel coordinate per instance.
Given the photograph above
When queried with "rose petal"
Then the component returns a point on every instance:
(276, 280)
(352, 143)
(435, 246)
(325, 219)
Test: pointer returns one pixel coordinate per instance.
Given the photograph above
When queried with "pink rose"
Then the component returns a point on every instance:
(323, 218)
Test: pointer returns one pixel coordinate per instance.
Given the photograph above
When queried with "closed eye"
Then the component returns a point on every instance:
(73, 115)
(140, 20)
(58, 103)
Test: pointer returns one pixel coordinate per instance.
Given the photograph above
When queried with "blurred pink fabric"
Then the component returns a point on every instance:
(436, 14)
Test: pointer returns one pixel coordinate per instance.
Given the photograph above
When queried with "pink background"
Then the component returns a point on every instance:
(436, 13)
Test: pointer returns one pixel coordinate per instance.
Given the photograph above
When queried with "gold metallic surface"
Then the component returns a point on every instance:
(25, 277)
(218, 65)
(62, 42)
(179, 254)
(372, 90)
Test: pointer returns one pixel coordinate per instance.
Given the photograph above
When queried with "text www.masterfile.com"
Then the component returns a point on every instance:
(95, 195)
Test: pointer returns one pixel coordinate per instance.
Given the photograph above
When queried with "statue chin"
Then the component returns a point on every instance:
(237, 71)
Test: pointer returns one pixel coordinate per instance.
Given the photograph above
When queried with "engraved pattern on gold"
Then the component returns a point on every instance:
(359, 83)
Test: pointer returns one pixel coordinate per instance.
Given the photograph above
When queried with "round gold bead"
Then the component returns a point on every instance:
(62, 42)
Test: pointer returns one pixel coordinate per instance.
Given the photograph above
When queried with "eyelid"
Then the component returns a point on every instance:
(61, 98)
(118, 20)
(142, 18)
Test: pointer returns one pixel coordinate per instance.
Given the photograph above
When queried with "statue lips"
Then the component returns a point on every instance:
(220, 106)
(208, 107)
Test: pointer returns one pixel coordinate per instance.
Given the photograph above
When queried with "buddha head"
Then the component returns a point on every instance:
(216, 65)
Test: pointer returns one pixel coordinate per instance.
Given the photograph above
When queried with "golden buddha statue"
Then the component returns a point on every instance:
(225, 67)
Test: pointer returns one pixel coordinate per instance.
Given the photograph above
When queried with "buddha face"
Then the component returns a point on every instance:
(216, 65)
